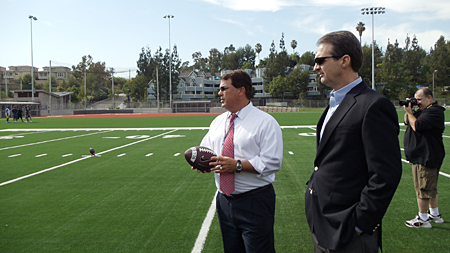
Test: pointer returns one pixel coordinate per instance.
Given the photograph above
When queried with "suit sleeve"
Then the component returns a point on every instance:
(382, 152)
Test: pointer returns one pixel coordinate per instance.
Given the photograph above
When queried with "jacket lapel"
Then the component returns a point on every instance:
(346, 104)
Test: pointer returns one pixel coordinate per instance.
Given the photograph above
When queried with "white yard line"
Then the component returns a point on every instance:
(60, 139)
(201, 238)
(80, 159)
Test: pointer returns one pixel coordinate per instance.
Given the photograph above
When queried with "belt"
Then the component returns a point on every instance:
(249, 193)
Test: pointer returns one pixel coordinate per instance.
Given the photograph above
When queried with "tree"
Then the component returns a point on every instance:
(258, 49)
(63, 86)
(147, 65)
(282, 46)
(200, 63)
(276, 66)
(439, 59)
(413, 59)
(120, 81)
(360, 28)
(366, 69)
(98, 78)
(272, 49)
(298, 81)
(53, 83)
(215, 60)
(278, 86)
(293, 45)
(307, 58)
(247, 55)
(26, 82)
(392, 71)
(237, 58)
(136, 88)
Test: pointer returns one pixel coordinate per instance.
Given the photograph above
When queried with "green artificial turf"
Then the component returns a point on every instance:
(142, 196)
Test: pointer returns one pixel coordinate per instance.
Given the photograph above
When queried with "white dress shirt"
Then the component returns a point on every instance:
(257, 139)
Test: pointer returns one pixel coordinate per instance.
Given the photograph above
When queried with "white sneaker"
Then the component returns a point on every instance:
(418, 223)
(435, 219)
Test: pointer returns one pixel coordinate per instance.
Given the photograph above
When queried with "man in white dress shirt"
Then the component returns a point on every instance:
(246, 214)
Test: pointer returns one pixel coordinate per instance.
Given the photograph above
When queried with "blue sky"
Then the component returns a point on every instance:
(114, 32)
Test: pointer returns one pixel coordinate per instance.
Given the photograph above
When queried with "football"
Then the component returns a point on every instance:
(92, 151)
(199, 157)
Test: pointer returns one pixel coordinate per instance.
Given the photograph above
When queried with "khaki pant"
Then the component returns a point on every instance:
(425, 181)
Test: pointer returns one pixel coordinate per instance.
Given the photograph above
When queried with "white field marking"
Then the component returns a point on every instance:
(41, 142)
(142, 129)
(177, 154)
(440, 172)
(444, 174)
(66, 155)
(81, 159)
(307, 134)
(105, 129)
(295, 127)
(173, 136)
(445, 136)
(137, 136)
(6, 137)
(111, 137)
(201, 238)
(121, 155)
(15, 155)
(291, 153)
(42, 171)
(150, 154)
(41, 155)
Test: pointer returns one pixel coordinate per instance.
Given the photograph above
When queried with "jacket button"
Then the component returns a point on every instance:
(316, 168)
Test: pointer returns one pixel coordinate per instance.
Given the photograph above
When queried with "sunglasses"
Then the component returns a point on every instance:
(320, 60)
(224, 88)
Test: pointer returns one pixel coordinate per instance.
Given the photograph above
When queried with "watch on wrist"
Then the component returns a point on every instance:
(239, 166)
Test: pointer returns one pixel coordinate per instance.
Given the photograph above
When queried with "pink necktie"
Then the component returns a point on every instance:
(227, 179)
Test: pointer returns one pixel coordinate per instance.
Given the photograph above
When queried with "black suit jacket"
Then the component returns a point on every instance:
(357, 168)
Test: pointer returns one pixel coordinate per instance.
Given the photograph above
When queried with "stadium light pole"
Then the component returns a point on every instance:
(49, 106)
(170, 63)
(433, 79)
(32, 66)
(373, 11)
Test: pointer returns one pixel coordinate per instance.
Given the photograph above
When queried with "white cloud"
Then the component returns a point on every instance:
(255, 5)
(430, 9)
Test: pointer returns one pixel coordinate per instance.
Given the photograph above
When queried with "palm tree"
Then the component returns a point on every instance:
(293, 45)
(360, 28)
(258, 49)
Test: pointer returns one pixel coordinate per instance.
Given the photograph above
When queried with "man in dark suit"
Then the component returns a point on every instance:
(358, 162)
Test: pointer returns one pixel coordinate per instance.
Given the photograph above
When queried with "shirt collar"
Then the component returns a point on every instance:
(242, 112)
(340, 94)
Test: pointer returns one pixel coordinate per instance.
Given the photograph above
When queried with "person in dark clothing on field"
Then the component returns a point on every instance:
(19, 113)
(424, 149)
(14, 111)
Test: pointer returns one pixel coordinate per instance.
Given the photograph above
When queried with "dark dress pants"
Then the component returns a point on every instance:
(247, 220)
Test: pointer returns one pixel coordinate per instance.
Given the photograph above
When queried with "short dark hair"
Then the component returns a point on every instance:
(345, 43)
(426, 92)
(240, 78)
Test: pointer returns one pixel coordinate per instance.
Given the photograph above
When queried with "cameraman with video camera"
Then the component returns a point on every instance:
(424, 149)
